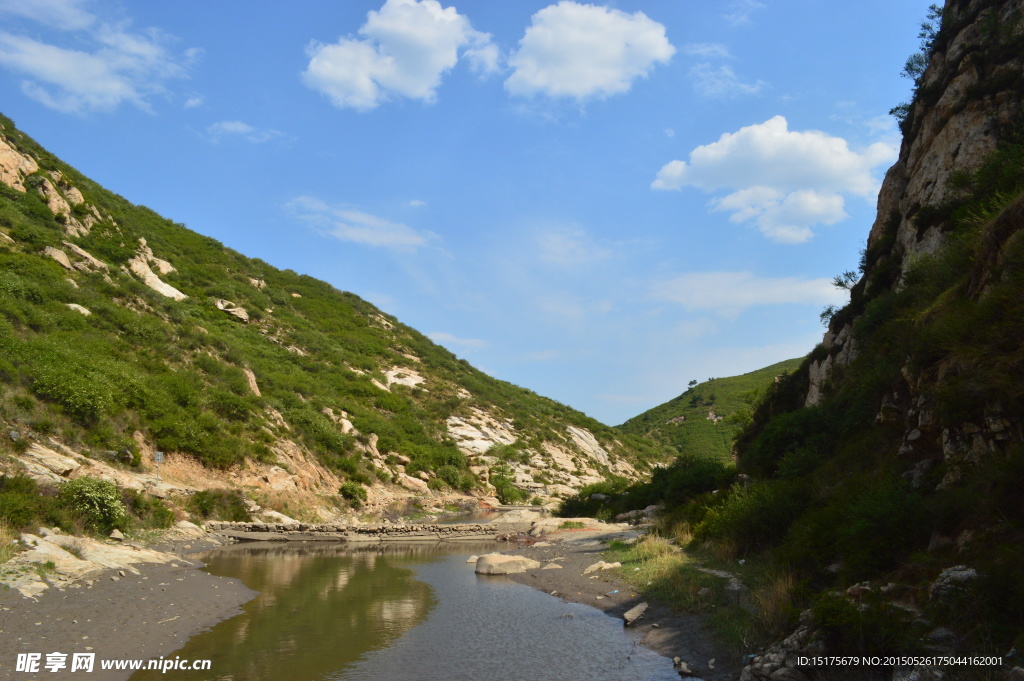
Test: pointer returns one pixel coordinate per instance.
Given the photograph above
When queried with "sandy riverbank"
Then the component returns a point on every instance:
(138, 616)
(665, 631)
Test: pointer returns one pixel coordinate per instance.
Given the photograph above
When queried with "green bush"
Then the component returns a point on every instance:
(756, 516)
(883, 523)
(354, 492)
(18, 500)
(874, 627)
(219, 504)
(97, 502)
(148, 511)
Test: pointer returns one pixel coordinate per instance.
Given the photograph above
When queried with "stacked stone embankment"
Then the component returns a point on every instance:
(353, 533)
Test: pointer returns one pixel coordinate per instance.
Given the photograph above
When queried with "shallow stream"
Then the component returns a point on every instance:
(409, 612)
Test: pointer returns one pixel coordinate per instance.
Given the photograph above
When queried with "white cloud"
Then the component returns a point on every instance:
(785, 181)
(66, 15)
(721, 82)
(416, 203)
(569, 248)
(449, 339)
(728, 293)
(580, 51)
(239, 129)
(119, 66)
(347, 224)
(194, 102)
(706, 50)
(405, 49)
(740, 11)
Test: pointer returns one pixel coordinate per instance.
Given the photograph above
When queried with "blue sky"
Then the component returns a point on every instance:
(598, 202)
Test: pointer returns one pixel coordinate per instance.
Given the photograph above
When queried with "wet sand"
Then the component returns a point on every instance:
(142, 616)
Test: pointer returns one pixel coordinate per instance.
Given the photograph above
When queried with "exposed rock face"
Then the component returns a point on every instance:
(479, 431)
(88, 262)
(250, 377)
(957, 130)
(233, 309)
(141, 266)
(969, 95)
(586, 441)
(401, 376)
(14, 166)
(60, 256)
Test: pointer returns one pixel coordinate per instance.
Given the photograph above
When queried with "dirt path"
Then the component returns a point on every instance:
(665, 630)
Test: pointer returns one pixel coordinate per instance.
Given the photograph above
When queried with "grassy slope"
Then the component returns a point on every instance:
(731, 398)
(174, 369)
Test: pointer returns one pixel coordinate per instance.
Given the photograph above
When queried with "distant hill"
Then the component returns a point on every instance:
(705, 419)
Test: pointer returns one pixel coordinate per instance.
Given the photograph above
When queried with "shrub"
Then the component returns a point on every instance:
(754, 517)
(219, 504)
(96, 501)
(147, 510)
(353, 492)
(18, 500)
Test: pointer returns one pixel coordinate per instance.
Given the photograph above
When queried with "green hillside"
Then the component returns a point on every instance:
(91, 354)
(705, 419)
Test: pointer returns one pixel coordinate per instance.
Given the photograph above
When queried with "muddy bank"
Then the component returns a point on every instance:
(665, 631)
(118, 613)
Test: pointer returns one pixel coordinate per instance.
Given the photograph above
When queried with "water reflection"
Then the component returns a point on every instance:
(320, 608)
(402, 612)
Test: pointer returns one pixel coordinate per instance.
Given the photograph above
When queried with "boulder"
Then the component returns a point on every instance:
(116, 535)
(950, 582)
(501, 564)
(60, 256)
(634, 613)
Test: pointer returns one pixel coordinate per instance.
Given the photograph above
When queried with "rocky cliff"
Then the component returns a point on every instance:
(887, 469)
(967, 102)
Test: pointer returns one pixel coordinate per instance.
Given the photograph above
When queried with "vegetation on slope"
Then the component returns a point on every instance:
(705, 419)
(175, 370)
(912, 462)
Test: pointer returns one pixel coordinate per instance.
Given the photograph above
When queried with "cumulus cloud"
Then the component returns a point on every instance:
(241, 130)
(348, 224)
(728, 293)
(119, 65)
(783, 180)
(404, 50)
(449, 339)
(580, 51)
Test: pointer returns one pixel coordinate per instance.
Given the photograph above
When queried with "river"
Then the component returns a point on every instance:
(403, 612)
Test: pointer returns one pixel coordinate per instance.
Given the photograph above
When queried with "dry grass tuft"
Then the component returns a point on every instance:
(7, 546)
(772, 596)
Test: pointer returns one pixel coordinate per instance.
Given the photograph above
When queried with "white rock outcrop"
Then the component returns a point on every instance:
(501, 564)
(15, 166)
(141, 266)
